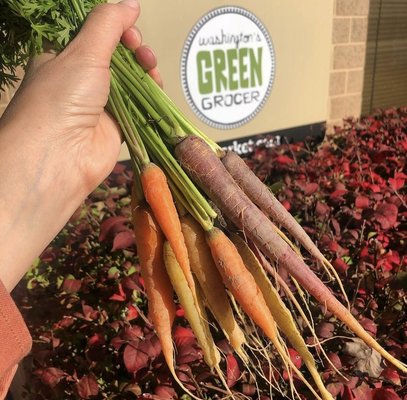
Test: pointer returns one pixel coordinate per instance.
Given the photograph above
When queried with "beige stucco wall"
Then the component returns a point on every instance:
(301, 33)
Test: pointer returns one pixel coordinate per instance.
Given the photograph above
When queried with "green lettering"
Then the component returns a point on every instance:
(204, 62)
(220, 65)
(232, 57)
(255, 64)
(244, 80)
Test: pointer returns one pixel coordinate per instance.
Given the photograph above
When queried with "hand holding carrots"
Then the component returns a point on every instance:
(56, 136)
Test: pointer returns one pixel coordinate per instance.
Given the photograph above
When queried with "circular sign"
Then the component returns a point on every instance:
(227, 67)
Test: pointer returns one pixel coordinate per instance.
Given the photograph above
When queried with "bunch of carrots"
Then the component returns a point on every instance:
(232, 269)
(204, 264)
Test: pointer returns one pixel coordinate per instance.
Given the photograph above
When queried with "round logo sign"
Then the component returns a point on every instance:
(227, 67)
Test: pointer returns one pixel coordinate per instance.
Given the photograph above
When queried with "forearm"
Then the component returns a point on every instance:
(36, 200)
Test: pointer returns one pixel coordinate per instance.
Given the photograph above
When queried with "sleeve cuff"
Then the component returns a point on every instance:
(15, 339)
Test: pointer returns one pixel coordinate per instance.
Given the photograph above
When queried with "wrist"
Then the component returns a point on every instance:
(37, 197)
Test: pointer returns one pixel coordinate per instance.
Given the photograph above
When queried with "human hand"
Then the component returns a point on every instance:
(62, 99)
(56, 141)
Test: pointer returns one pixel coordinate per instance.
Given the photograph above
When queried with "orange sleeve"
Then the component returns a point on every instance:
(15, 340)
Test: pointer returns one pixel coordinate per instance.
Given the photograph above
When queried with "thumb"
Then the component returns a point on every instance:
(37, 61)
(103, 29)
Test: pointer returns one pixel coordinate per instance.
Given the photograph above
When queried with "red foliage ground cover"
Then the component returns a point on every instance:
(84, 299)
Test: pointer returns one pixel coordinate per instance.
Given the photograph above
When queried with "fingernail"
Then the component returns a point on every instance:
(131, 3)
(136, 33)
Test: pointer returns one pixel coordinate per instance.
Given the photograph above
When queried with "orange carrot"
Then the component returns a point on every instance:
(209, 173)
(161, 307)
(159, 197)
(211, 283)
(247, 293)
(149, 242)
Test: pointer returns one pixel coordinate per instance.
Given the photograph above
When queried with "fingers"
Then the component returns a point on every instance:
(155, 74)
(103, 29)
(145, 56)
(132, 38)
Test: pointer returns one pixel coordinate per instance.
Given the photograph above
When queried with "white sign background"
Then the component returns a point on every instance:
(218, 26)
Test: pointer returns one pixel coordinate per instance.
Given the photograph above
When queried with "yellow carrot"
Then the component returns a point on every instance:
(211, 283)
(280, 312)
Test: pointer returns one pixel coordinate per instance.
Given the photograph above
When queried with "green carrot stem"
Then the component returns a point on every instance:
(158, 99)
(127, 124)
(137, 89)
(138, 188)
(157, 147)
(185, 124)
(114, 109)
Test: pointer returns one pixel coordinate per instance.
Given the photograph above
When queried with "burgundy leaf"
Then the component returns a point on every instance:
(295, 357)
(232, 370)
(71, 285)
(362, 202)
(183, 336)
(87, 387)
(322, 209)
(151, 345)
(120, 296)
(386, 215)
(347, 393)
(340, 265)
(188, 354)
(88, 313)
(112, 226)
(336, 226)
(337, 195)
(369, 325)
(363, 392)
(132, 313)
(398, 181)
(335, 388)
(385, 394)
(65, 322)
(391, 375)
(307, 187)
(325, 330)
(134, 357)
(50, 376)
(180, 312)
(284, 160)
(310, 188)
(224, 346)
(133, 333)
(248, 390)
(286, 204)
(335, 360)
(123, 240)
(96, 340)
(117, 342)
(165, 392)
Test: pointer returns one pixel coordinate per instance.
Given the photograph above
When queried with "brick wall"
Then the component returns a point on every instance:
(349, 36)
